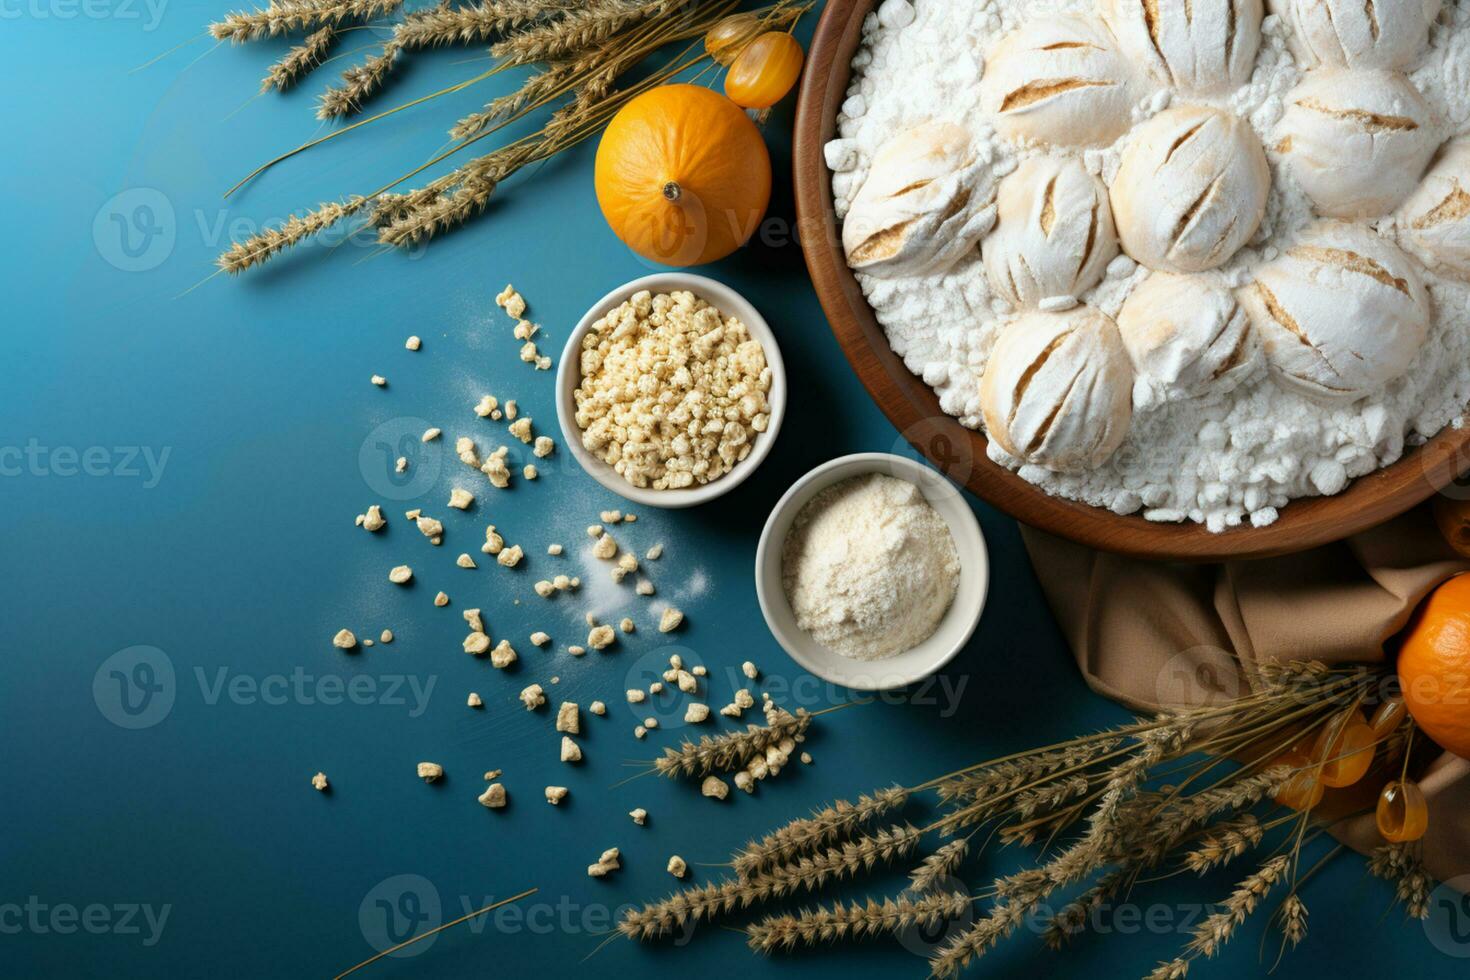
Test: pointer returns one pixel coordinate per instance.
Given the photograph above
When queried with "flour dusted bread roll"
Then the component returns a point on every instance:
(1196, 46)
(1186, 335)
(1054, 234)
(1356, 141)
(1058, 80)
(926, 201)
(1357, 33)
(1056, 391)
(1340, 313)
(1434, 223)
(1190, 189)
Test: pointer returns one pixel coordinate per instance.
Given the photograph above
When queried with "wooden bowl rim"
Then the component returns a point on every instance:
(959, 452)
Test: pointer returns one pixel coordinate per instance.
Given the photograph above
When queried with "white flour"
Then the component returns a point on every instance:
(1220, 459)
(869, 567)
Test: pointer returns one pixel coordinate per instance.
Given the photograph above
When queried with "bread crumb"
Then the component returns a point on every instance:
(544, 447)
(714, 787)
(441, 600)
(430, 771)
(379, 380)
(644, 587)
(657, 687)
(743, 699)
(474, 701)
(460, 499)
(510, 557)
(745, 781)
(344, 640)
(430, 434)
(476, 644)
(639, 731)
(677, 866)
(749, 670)
(699, 670)
(493, 797)
(533, 697)
(472, 617)
(524, 330)
(655, 553)
(496, 469)
(568, 720)
(635, 695)
(570, 751)
(553, 549)
(594, 530)
(628, 561)
(511, 409)
(687, 682)
(639, 815)
(492, 774)
(629, 518)
(555, 794)
(605, 548)
(539, 639)
(465, 561)
(543, 364)
(521, 429)
(601, 637)
(494, 543)
(386, 637)
(607, 862)
(696, 713)
(319, 782)
(511, 301)
(429, 527)
(373, 520)
(670, 620)
(576, 651)
(627, 625)
(544, 589)
(611, 516)
(502, 656)
(464, 448)
(413, 343)
(676, 661)
(529, 471)
(400, 465)
(597, 708)
(806, 757)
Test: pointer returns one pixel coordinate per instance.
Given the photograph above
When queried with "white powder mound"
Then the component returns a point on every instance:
(1222, 459)
(869, 567)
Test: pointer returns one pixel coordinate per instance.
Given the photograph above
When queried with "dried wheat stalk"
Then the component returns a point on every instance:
(290, 16)
(854, 921)
(359, 82)
(300, 61)
(818, 830)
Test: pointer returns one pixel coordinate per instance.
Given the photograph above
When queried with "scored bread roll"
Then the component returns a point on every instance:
(1434, 223)
(926, 201)
(1341, 313)
(1196, 46)
(1190, 189)
(1058, 80)
(1356, 141)
(1186, 335)
(1357, 33)
(1056, 391)
(1054, 232)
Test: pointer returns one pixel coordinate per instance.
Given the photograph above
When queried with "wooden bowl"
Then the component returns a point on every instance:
(913, 407)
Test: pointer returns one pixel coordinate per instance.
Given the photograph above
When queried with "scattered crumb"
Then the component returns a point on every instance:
(464, 447)
(379, 380)
(524, 330)
(677, 866)
(465, 561)
(608, 862)
(568, 718)
(635, 695)
(639, 731)
(494, 543)
(745, 781)
(670, 620)
(640, 816)
(441, 600)
(544, 447)
(413, 343)
(576, 651)
(570, 751)
(601, 637)
(367, 642)
(496, 469)
(544, 589)
(749, 670)
(594, 530)
(430, 434)
(492, 775)
(521, 429)
(611, 516)
(533, 697)
(555, 794)
(657, 687)
(540, 639)
(511, 301)
(510, 408)
(488, 407)
(400, 465)
(472, 617)
(676, 661)
(429, 527)
(319, 782)
(806, 757)
(644, 587)
(590, 619)
(510, 557)
(686, 681)
(474, 701)
(529, 471)
(430, 771)
(699, 670)
(714, 787)
(373, 520)
(627, 625)
(655, 553)
(650, 723)
(696, 713)
(597, 708)
(502, 656)
(460, 499)
(629, 518)
(493, 797)
(386, 637)
(628, 562)
(344, 640)
(605, 548)
(553, 549)
(476, 644)
(743, 699)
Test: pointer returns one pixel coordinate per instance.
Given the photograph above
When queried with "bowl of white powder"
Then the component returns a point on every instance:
(872, 571)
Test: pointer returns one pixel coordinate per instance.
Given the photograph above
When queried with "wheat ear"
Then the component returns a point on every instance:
(821, 828)
(725, 753)
(290, 16)
(473, 24)
(940, 865)
(854, 920)
(299, 61)
(358, 83)
(262, 246)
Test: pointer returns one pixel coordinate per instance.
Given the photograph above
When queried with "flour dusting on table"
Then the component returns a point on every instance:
(1220, 458)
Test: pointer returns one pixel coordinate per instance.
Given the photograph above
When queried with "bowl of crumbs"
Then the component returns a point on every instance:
(872, 571)
(671, 390)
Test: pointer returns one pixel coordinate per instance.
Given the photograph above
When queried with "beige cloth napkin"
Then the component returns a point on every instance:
(1152, 633)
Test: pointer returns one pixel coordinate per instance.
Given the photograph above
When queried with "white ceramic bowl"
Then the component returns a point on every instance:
(569, 376)
(954, 629)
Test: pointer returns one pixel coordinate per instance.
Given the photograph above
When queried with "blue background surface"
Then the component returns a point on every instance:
(237, 560)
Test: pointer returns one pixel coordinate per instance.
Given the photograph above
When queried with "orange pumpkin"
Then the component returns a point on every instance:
(682, 175)
(1434, 665)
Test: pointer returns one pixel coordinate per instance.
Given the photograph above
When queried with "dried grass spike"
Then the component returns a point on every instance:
(300, 61)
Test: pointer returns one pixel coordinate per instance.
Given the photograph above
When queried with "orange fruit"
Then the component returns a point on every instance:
(1434, 665)
(682, 175)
